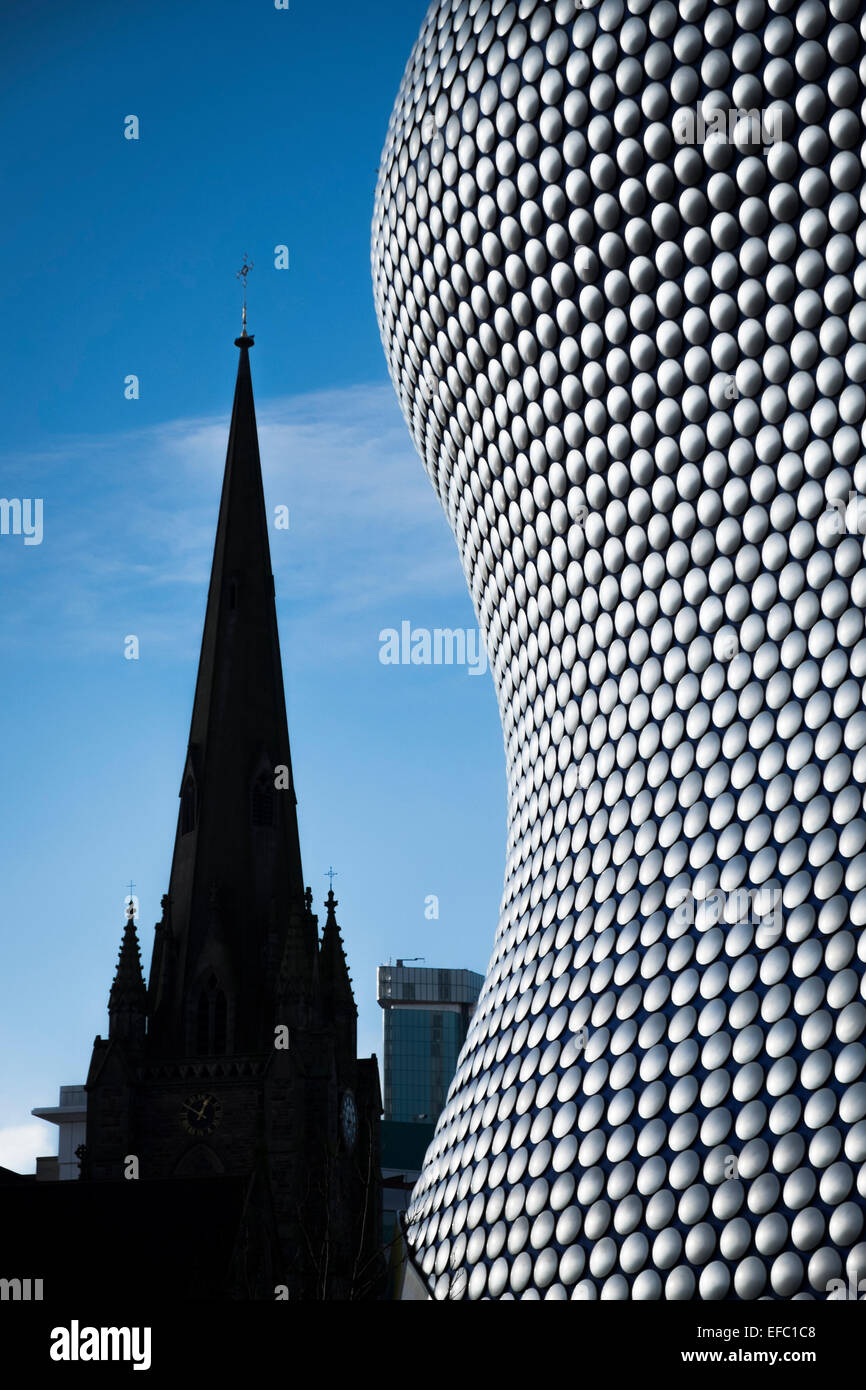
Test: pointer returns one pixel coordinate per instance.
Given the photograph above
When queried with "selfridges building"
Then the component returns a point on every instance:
(618, 267)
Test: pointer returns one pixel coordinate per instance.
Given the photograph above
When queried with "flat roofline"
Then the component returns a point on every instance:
(56, 1114)
(432, 969)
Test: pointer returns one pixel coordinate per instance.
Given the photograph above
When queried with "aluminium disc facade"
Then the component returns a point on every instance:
(618, 269)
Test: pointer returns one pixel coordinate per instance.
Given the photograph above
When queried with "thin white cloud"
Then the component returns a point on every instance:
(130, 519)
(20, 1145)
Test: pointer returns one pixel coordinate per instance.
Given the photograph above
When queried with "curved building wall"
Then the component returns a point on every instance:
(617, 258)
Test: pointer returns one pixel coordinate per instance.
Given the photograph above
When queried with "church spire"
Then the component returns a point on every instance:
(338, 1001)
(237, 833)
(127, 1001)
(332, 956)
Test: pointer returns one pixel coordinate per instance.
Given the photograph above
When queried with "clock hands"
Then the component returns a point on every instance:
(197, 1114)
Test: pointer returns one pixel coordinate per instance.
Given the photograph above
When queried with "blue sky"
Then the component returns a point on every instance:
(258, 128)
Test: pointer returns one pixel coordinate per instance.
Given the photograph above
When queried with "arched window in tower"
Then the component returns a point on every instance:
(202, 1025)
(187, 807)
(220, 1023)
(263, 802)
(211, 1019)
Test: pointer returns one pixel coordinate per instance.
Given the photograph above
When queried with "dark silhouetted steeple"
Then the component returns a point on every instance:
(236, 873)
(333, 969)
(338, 1001)
(238, 1066)
(127, 1002)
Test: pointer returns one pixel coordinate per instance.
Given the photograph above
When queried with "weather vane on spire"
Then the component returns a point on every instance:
(242, 275)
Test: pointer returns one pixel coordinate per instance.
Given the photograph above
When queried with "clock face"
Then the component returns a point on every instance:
(348, 1120)
(200, 1115)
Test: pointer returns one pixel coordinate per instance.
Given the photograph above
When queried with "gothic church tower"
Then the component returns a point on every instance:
(239, 1058)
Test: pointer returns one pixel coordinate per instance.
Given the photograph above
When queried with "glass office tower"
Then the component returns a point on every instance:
(427, 1014)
